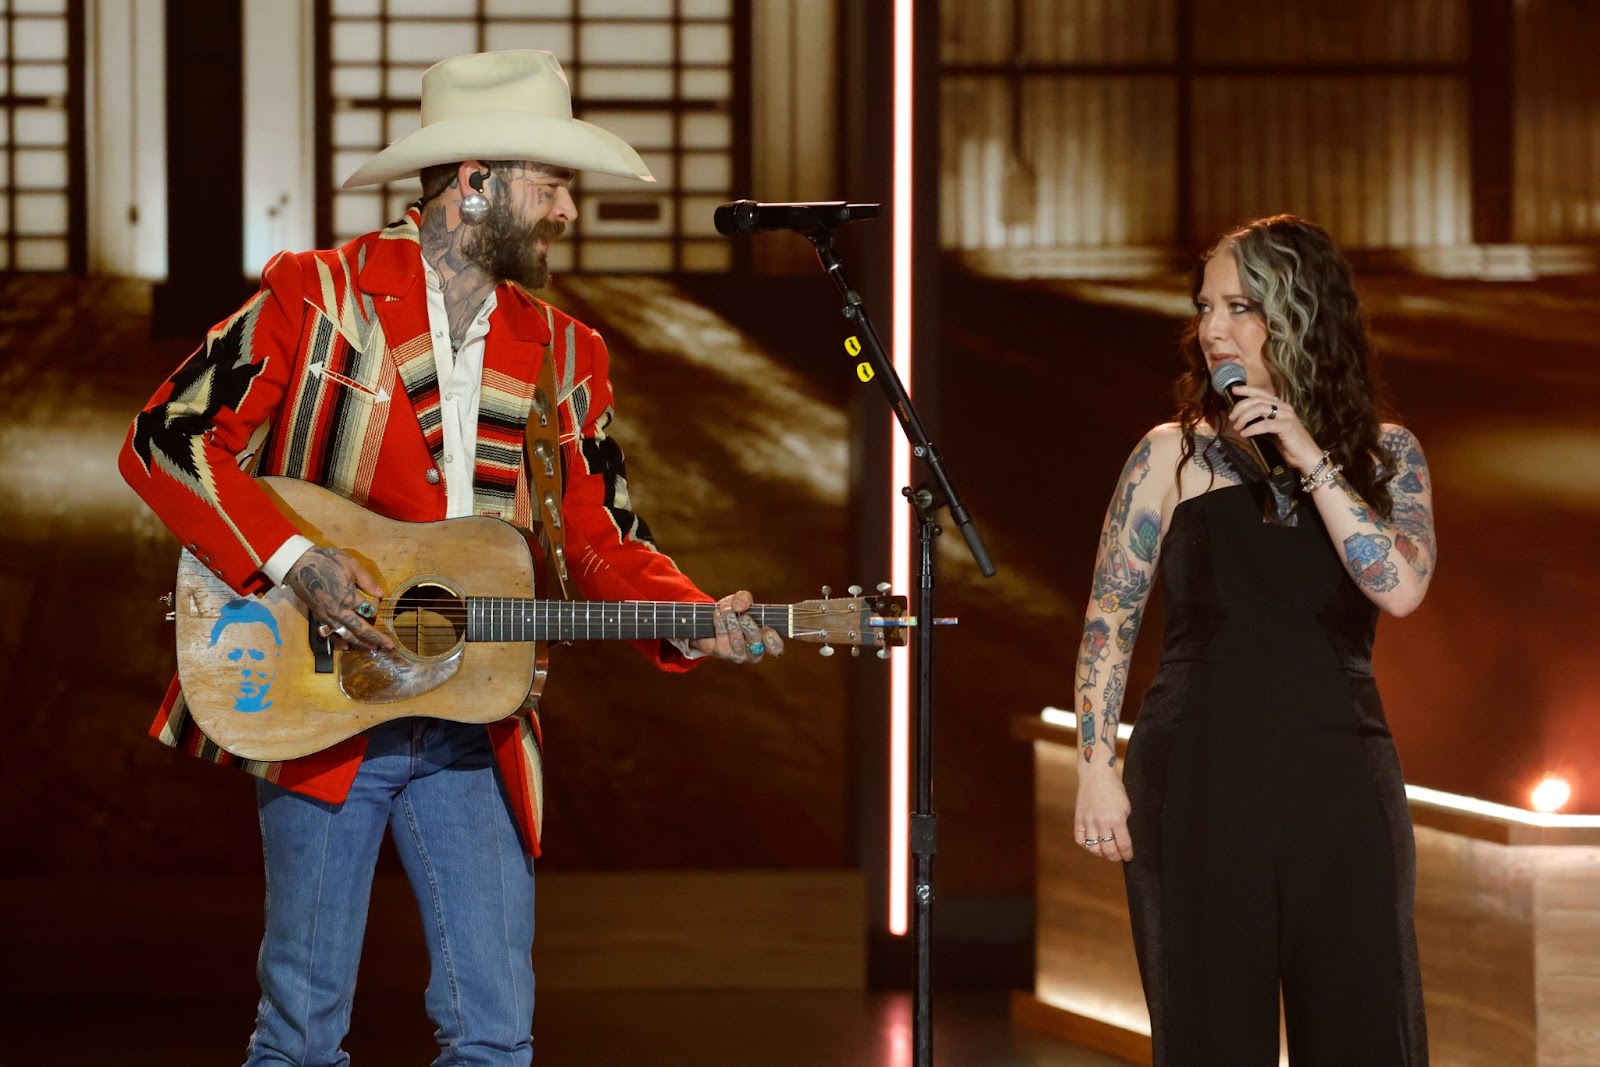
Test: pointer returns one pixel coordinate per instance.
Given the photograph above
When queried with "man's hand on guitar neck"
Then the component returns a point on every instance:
(739, 638)
(335, 589)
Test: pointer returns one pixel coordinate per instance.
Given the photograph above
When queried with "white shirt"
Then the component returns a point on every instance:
(460, 374)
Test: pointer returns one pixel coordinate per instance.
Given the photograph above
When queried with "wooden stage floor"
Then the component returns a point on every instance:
(572, 1029)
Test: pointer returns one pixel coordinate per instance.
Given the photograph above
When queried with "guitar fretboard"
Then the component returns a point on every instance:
(522, 619)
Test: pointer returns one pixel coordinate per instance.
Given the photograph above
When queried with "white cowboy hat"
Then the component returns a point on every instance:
(500, 105)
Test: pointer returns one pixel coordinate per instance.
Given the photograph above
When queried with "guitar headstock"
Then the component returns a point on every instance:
(858, 621)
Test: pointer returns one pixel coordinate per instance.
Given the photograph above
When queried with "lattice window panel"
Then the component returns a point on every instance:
(40, 227)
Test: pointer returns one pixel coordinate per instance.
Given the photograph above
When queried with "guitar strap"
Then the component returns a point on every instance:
(541, 446)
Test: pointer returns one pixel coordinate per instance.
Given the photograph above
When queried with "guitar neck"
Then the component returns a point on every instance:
(523, 619)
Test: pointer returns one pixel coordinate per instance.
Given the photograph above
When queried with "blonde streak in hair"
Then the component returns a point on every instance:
(1307, 307)
(1267, 286)
(1299, 302)
(1288, 319)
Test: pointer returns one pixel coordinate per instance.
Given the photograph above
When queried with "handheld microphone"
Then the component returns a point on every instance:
(743, 217)
(1223, 380)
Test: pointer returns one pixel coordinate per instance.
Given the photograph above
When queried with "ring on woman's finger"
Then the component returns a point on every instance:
(1090, 842)
(1273, 413)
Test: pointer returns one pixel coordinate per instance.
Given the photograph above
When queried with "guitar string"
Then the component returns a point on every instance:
(567, 608)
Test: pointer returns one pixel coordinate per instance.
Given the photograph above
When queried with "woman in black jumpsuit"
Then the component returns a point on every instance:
(1263, 817)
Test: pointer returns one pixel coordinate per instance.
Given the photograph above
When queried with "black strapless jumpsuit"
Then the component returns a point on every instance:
(1271, 834)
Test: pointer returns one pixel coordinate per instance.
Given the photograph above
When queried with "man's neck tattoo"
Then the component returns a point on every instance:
(465, 285)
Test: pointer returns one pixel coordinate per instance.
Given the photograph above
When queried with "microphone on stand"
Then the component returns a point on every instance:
(744, 217)
(1223, 380)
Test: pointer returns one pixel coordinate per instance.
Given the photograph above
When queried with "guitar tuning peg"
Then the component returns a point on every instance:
(827, 591)
(854, 590)
(884, 587)
(883, 653)
(855, 651)
(825, 650)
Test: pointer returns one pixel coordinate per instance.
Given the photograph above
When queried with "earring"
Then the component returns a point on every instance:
(475, 206)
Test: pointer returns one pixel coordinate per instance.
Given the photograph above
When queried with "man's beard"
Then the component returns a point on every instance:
(507, 249)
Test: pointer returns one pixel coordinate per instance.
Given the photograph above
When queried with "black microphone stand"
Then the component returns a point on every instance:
(927, 498)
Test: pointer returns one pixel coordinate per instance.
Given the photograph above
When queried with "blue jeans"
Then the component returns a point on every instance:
(434, 782)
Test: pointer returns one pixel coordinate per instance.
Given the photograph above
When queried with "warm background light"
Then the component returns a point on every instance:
(1551, 794)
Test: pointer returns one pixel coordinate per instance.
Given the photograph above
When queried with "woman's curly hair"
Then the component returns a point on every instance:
(1318, 350)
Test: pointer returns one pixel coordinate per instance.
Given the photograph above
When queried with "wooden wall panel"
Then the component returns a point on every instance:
(1381, 161)
(1100, 31)
(1094, 167)
(1566, 904)
(1557, 121)
(975, 32)
(794, 112)
(1475, 931)
(1330, 31)
(1084, 942)
(1060, 31)
(1062, 125)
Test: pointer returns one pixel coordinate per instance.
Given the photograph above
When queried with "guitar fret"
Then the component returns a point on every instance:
(535, 619)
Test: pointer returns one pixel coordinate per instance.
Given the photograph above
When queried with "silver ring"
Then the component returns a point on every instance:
(1273, 413)
(328, 631)
(1090, 842)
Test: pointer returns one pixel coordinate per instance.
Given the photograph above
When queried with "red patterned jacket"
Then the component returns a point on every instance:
(333, 362)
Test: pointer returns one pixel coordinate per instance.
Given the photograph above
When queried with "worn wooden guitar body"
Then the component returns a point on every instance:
(253, 687)
(459, 604)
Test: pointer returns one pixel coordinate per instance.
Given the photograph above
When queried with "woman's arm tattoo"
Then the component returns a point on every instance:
(1367, 558)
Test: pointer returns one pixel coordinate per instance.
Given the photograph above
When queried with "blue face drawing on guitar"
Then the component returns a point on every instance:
(243, 629)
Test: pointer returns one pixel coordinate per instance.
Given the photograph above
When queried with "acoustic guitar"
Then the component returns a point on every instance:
(462, 611)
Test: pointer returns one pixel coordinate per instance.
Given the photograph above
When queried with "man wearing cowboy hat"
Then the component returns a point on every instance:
(399, 371)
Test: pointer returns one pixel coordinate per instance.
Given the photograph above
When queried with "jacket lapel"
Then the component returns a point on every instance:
(393, 277)
(518, 336)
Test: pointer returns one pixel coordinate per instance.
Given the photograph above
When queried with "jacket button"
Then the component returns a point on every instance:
(432, 475)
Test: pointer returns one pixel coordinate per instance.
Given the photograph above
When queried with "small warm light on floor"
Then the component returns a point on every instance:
(1552, 794)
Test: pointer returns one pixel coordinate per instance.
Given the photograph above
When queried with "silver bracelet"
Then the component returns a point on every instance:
(1309, 482)
(1327, 478)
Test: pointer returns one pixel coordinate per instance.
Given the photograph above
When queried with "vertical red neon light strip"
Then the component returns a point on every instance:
(900, 475)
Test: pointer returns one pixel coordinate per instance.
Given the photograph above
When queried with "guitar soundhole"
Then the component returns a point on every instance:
(429, 620)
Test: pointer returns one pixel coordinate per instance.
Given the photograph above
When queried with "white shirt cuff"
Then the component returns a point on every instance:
(277, 565)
